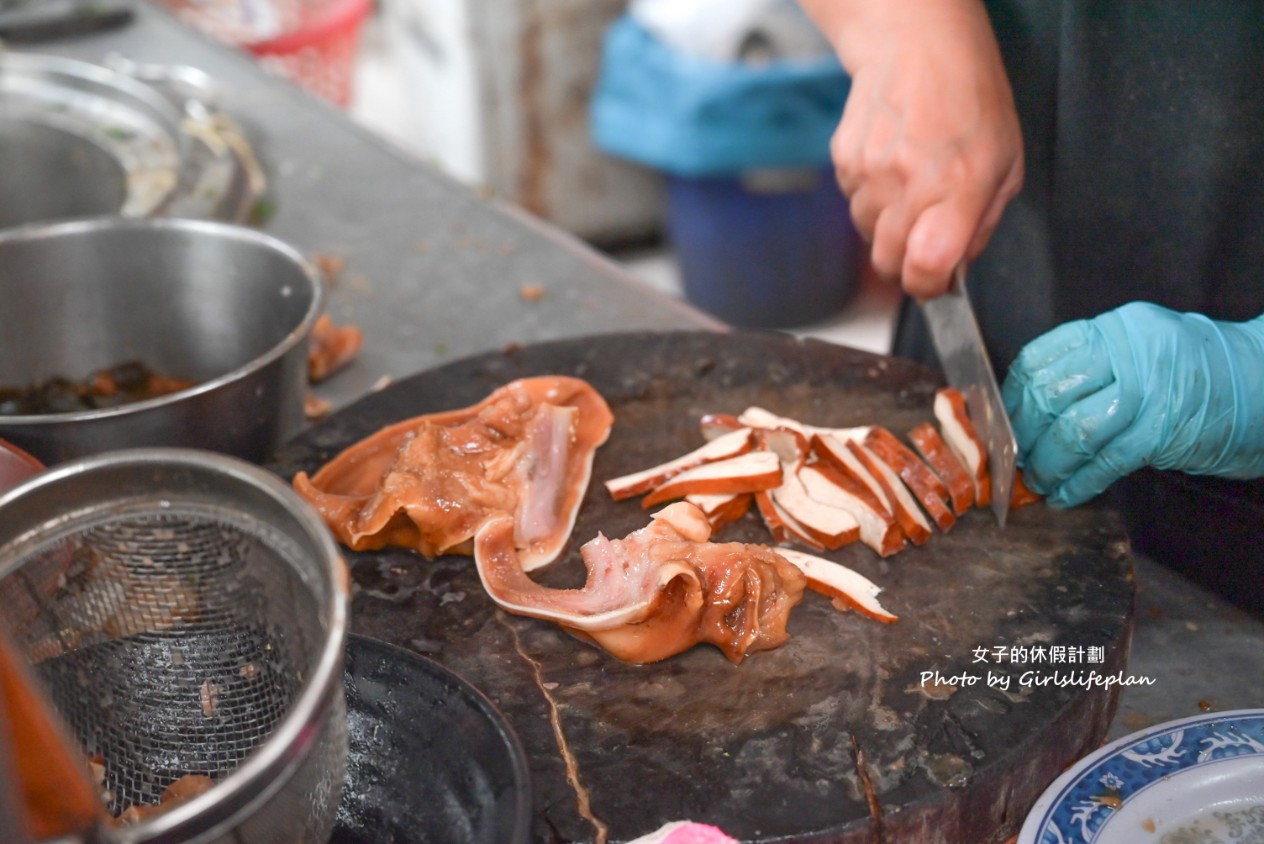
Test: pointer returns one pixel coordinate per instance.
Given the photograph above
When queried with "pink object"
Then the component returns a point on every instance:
(686, 832)
(15, 465)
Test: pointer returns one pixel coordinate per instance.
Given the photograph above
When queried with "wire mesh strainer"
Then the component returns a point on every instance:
(187, 613)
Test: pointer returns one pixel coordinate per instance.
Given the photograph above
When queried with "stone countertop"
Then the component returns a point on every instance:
(431, 270)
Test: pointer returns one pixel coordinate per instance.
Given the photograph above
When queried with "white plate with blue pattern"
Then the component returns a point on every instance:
(1198, 780)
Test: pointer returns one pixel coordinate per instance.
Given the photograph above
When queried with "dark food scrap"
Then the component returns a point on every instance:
(331, 347)
(181, 791)
(123, 383)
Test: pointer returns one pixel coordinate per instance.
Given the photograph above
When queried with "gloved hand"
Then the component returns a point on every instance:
(1094, 400)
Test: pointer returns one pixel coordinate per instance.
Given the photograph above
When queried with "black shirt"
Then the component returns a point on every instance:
(1143, 127)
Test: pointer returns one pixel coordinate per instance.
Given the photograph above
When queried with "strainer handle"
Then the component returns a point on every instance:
(57, 796)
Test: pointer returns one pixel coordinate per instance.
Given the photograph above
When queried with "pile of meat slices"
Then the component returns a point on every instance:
(827, 487)
(504, 480)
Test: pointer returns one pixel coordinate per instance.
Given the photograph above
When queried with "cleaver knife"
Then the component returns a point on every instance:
(955, 333)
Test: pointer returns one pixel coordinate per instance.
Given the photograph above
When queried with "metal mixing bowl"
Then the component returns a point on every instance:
(227, 307)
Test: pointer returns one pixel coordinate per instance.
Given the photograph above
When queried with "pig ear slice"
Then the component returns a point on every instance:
(811, 521)
(834, 489)
(830, 526)
(758, 417)
(930, 491)
(727, 445)
(963, 439)
(749, 472)
(840, 583)
(783, 526)
(854, 457)
(721, 509)
(1023, 494)
(830, 449)
(715, 425)
(926, 439)
(908, 514)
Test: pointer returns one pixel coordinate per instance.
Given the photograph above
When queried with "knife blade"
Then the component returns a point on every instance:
(954, 330)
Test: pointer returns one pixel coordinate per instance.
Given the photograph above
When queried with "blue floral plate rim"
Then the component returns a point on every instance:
(1084, 797)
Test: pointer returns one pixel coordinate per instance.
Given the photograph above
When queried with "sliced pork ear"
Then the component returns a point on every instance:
(943, 461)
(758, 417)
(790, 446)
(1023, 494)
(908, 515)
(429, 482)
(657, 592)
(783, 526)
(930, 491)
(721, 509)
(715, 425)
(748, 472)
(961, 436)
(834, 489)
(828, 525)
(810, 521)
(727, 445)
(829, 449)
(846, 587)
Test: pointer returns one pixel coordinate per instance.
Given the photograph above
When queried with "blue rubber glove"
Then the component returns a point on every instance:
(1094, 400)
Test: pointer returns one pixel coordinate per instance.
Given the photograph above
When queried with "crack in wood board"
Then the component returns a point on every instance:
(875, 808)
(601, 832)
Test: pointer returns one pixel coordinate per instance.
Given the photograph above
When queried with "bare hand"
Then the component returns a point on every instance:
(929, 149)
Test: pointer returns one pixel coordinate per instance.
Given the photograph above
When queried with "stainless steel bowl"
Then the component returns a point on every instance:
(187, 613)
(126, 139)
(227, 307)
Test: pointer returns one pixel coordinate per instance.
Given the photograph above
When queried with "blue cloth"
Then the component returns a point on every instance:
(694, 117)
(1094, 400)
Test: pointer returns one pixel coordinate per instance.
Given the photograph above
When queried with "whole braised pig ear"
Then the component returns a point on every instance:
(429, 482)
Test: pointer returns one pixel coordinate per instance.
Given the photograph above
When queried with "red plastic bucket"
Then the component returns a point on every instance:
(314, 43)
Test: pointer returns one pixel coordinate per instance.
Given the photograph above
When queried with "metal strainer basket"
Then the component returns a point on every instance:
(187, 612)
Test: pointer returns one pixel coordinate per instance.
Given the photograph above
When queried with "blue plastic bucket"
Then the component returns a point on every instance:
(768, 249)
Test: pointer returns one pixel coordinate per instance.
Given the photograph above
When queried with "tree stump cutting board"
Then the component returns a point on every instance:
(839, 735)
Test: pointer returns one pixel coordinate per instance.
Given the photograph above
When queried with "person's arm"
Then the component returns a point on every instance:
(1093, 400)
(929, 149)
